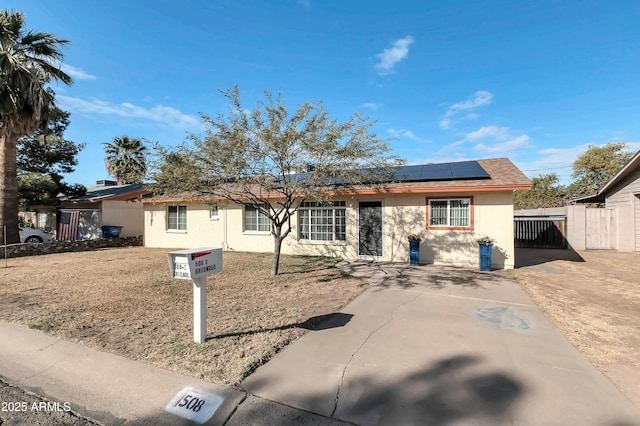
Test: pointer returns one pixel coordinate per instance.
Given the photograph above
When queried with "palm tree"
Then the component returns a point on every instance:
(28, 61)
(125, 159)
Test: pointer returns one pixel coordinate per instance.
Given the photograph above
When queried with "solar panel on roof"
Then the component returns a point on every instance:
(441, 171)
(408, 173)
(468, 170)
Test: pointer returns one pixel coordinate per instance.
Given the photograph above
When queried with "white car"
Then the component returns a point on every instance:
(33, 236)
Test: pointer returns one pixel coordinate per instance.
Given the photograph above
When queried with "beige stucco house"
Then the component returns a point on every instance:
(449, 205)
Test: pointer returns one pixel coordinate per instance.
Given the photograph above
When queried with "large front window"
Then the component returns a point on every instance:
(177, 218)
(450, 213)
(256, 221)
(322, 222)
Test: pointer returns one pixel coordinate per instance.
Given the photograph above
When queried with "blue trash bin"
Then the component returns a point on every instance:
(414, 252)
(110, 231)
(485, 256)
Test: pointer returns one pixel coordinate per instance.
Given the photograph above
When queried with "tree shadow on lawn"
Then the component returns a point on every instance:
(316, 323)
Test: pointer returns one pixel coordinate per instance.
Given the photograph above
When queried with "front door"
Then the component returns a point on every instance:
(370, 228)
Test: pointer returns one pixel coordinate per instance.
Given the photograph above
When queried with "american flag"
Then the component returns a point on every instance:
(68, 226)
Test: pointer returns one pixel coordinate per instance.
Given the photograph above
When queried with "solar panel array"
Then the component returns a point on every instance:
(441, 171)
(428, 172)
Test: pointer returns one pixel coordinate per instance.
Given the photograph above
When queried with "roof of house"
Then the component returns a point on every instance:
(502, 175)
(599, 197)
(110, 192)
(494, 174)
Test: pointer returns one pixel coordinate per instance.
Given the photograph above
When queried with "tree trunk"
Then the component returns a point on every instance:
(277, 240)
(8, 187)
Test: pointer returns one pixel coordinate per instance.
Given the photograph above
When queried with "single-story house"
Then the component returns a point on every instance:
(106, 204)
(449, 205)
(621, 195)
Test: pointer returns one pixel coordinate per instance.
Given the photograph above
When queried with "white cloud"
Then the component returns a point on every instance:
(159, 113)
(480, 98)
(407, 134)
(488, 132)
(77, 73)
(371, 105)
(503, 147)
(390, 57)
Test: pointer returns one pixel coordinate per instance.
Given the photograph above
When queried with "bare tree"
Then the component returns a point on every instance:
(272, 160)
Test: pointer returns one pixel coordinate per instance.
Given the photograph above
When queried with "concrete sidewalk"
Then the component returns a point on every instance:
(434, 346)
(114, 390)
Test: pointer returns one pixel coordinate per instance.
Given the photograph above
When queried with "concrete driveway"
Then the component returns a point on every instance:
(437, 345)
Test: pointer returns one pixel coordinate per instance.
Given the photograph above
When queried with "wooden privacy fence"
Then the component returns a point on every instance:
(600, 228)
(539, 232)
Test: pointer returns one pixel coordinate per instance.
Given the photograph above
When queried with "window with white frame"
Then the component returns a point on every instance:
(213, 212)
(255, 220)
(450, 213)
(177, 218)
(322, 222)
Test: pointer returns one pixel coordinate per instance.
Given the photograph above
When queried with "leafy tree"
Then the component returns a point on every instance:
(594, 167)
(545, 191)
(126, 159)
(251, 158)
(28, 61)
(42, 160)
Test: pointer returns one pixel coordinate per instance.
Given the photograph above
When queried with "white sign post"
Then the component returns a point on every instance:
(196, 265)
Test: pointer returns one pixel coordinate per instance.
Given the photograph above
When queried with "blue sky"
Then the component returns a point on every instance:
(533, 81)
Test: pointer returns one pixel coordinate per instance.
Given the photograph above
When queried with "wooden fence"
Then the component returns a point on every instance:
(539, 232)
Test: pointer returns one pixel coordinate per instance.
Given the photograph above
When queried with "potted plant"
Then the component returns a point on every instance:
(414, 249)
(485, 245)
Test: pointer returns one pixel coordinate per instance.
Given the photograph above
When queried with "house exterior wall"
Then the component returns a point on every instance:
(402, 214)
(121, 213)
(622, 197)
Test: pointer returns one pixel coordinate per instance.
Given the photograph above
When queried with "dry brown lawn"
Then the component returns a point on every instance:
(123, 301)
(593, 297)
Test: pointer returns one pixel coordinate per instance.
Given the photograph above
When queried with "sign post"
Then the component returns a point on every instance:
(196, 265)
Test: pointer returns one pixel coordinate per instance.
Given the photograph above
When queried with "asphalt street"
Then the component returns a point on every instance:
(19, 407)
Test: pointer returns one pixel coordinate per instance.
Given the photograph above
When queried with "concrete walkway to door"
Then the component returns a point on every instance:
(436, 345)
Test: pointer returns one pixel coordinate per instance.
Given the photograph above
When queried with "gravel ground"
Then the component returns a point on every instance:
(19, 407)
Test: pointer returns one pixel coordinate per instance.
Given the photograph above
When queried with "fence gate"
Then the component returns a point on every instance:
(600, 227)
(540, 232)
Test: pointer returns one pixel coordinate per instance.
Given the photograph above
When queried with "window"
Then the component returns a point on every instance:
(213, 212)
(322, 222)
(254, 220)
(450, 213)
(177, 218)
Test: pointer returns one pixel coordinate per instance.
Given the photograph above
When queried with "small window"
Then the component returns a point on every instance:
(177, 218)
(454, 213)
(213, 212)
(255, 220)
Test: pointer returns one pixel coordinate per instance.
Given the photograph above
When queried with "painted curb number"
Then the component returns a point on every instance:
(194, 405)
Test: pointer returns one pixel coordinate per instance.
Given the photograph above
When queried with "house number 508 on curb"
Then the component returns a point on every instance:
(194, 405)
(191, 402)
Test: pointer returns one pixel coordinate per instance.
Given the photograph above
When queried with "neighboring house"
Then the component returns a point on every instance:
(617, 226)
(449, 205)
(82, 218)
